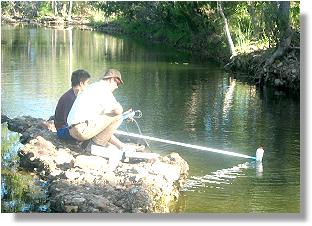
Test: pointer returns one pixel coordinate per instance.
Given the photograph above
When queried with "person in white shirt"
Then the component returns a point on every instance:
(96, 114)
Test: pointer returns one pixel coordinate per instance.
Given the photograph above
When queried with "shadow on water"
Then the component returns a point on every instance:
(20, 191)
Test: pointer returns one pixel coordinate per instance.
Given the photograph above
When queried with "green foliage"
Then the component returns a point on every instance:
(240, 22)
(243, 36)
(9, 147)
(187, 23)
(45, 9)
(193, 25)
(7, 7)
(295, 15)
(18, 190)
(16, 181)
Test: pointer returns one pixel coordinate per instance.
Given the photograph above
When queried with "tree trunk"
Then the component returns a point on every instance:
(54, 6)
(283, 18)
(227, 30)
(12, 5)
(285, 32)
(36, 8)
(64, 9)
(70, 10)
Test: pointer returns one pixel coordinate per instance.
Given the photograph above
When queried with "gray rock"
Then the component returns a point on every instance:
(71, 175)
(89, 163)
(71, 209)
(78, 201)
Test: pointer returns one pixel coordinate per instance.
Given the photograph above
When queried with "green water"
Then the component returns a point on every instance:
(182, 99)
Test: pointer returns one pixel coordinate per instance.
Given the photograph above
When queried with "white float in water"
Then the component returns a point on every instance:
(259, 154)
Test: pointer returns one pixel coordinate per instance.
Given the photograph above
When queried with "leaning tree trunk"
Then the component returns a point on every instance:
(227, 30)
(285, 33)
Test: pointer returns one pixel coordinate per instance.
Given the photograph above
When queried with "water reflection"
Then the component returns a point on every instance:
(195, 103)
(228, 97)
(259, 169)
(70, 58)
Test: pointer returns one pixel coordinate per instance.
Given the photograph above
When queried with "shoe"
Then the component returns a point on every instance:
(113, 156)
(89, 145)
(131, 153)
(113, 161)
(126, 152)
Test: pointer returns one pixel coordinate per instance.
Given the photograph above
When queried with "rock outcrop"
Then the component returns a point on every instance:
(81, 182)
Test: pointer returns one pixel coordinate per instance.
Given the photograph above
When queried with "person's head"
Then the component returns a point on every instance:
(80, 78)
(113, 77)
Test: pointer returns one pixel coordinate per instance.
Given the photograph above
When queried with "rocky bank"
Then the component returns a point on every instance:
(81, 182)
(282, 74)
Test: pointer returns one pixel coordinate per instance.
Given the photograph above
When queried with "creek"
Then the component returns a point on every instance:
(182, 99)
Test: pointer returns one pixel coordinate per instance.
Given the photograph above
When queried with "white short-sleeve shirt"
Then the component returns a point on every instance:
(97, 99)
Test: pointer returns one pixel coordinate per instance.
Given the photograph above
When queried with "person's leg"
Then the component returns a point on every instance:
(115, 141)
(76, 132)
(106, 135)
(86, 131)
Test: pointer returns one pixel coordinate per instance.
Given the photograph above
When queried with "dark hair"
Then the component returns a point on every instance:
(78, 76)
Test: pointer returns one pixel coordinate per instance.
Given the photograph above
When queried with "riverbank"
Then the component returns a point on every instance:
(283, 74)
(82, 182)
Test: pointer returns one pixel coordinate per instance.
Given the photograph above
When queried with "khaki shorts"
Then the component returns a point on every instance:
(100, 129)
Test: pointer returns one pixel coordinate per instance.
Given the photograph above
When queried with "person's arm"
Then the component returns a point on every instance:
(117, 109)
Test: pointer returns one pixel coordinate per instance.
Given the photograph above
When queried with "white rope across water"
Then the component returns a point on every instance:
(184, 144)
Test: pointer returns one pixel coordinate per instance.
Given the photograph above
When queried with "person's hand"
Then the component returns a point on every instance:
(117, 109)
(128, 111)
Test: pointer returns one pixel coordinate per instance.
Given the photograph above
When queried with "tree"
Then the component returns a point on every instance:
(227, 31)
(70, 8)
(285, 32)
(54, 6)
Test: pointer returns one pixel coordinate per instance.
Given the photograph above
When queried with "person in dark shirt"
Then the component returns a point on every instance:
(79, 80)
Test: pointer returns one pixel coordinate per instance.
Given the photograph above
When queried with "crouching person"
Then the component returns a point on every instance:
(79, 81)
(96, 114)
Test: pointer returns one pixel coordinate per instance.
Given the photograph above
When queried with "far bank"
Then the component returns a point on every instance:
(282, 74)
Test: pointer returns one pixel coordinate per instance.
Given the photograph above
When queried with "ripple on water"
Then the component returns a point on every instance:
(217, 178)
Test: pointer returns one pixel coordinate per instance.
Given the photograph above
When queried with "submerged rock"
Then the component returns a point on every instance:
(81, 182)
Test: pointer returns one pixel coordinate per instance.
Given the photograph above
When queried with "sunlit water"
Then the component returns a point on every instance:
(182, 99)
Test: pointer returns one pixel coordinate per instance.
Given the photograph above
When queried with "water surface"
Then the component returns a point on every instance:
(182, 99)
